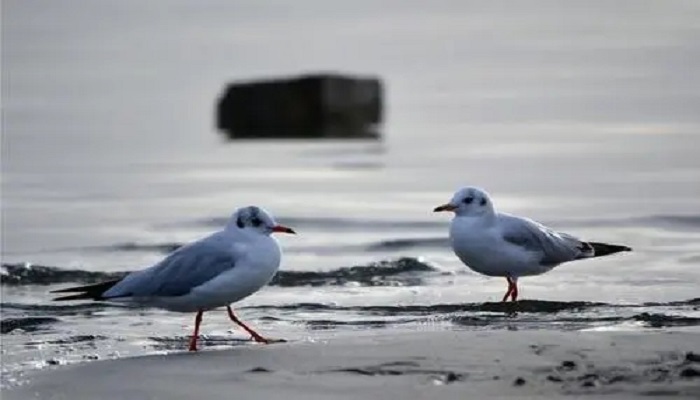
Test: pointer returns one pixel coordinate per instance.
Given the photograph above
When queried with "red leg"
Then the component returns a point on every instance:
(195, 335)
(514, 291)
(250, 331)
(510, 289)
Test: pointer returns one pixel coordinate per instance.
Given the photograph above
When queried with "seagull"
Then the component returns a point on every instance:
(215, 271)
(498, 244)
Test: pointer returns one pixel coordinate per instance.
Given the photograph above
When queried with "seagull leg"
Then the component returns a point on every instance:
(195, 335)
(250, 331)
(509, 291)
(514, 290)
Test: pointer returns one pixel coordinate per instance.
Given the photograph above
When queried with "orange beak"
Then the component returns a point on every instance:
(445, 207)
(283, 229)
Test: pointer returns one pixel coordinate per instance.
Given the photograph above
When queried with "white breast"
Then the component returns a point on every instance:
(253, 271)
(482, 248)
(256, 266)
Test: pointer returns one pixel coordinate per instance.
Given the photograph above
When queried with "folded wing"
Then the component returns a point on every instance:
(177, 274)
(554, 247)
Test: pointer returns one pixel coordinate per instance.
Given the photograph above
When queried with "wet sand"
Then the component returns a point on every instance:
(400, 365)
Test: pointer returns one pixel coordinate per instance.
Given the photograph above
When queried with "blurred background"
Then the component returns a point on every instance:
(580, 114)
(566, 111)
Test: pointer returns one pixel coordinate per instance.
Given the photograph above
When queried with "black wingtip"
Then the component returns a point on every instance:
(80, 296)
(68, 290)
(604, 249)
(87, 292)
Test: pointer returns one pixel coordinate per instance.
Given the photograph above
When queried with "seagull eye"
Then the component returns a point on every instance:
(468, 200)
(256, 221)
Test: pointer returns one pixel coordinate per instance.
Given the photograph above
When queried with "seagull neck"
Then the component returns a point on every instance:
(237, 234)
(480, 219)
(231, 226)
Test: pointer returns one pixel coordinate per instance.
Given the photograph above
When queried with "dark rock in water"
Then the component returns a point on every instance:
(259, 369)
(384, 273)
(568, 365)
(28, 324)
(663, 320)
(307, 106)
(537, 306)
(453, 377)
(692, 357)
(690, 373)
(519, 381)
(28, 274)
(401, 272)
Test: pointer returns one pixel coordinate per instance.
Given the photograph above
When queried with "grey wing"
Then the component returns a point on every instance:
(555, 247)
(177, 274)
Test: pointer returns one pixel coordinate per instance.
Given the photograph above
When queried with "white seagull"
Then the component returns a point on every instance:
(498, 244)
(212, 272)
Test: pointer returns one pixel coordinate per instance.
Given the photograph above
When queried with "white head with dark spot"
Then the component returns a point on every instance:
(253, 219)
(469, 202)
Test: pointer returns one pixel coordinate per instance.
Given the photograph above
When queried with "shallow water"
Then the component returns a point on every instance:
(580, 116)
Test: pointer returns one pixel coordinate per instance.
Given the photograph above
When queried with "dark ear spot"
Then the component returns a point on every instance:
(239, 222)
(483, 202)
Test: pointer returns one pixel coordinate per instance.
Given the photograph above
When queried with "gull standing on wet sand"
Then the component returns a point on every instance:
(498, 244)
(212, 272)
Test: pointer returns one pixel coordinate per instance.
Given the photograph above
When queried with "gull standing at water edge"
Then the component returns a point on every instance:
(212, 272)
(498, 244)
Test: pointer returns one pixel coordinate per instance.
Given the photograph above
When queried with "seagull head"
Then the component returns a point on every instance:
(255, 220)
(469, 202)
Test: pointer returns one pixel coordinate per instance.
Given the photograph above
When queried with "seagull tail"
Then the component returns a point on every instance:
(604, 249)
(87, 292)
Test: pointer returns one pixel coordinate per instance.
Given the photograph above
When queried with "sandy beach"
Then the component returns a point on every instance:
(398, 365)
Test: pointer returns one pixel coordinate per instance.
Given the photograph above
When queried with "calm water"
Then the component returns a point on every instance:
(582, 115)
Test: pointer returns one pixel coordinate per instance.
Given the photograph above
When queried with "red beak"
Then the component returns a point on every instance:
(445, 207)
(283, 229)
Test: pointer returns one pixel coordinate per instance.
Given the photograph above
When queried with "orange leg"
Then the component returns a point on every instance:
(195, 335)
(250, 331)
(512, 291)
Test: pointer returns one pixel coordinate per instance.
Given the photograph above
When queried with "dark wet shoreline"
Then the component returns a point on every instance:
(403, 271)
(524, 314)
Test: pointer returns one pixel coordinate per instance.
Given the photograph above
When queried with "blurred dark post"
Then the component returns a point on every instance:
(308, 106)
